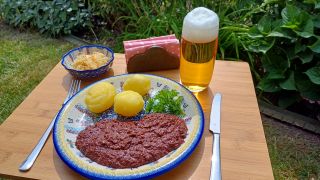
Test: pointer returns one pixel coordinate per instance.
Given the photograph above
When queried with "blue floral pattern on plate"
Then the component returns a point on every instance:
(74, 117)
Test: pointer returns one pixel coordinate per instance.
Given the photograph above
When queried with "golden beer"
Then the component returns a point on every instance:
(197, 64)
(198, 49)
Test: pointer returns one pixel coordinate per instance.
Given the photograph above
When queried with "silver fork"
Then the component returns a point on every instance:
(28, 162)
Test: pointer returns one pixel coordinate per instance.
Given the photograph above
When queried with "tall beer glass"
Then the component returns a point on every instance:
(199, 45)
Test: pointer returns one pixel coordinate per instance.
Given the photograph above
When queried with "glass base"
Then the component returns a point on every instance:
(195, 88)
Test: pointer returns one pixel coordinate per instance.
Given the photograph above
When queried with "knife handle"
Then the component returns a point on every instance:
(215, 159)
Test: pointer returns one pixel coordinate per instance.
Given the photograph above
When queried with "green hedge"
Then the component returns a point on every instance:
(286, 40)
(52, 17)
(279, 39)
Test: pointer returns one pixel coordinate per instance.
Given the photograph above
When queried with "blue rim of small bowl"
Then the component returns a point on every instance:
(87, 46)
(160, 171)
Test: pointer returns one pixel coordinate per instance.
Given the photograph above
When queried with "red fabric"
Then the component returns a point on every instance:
(169, 42)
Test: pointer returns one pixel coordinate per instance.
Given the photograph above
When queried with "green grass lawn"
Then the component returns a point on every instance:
(25, 59)
(294, 153)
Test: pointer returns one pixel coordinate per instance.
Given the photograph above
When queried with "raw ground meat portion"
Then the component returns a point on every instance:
(130, 144)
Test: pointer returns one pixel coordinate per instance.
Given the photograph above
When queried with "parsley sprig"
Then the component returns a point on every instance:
(166, 101)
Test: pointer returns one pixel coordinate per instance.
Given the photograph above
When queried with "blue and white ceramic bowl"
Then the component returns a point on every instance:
(68, 58)
(75, 117)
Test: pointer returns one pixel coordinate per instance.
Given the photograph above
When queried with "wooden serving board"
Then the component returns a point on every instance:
(244, 152)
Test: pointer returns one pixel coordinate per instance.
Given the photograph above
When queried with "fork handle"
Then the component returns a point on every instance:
(29, 161)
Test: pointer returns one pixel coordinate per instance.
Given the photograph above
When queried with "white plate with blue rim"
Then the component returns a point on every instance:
(75, 117)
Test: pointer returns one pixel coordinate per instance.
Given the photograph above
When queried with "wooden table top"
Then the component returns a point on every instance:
(244, 153)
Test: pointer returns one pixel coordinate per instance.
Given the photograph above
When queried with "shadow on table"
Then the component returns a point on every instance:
(67, 80)
(63, 170)
(205, 98)
(187, 168)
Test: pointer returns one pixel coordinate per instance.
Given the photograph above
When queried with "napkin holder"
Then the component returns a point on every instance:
(153, 59)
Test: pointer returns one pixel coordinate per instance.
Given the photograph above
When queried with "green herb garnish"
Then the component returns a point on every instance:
(166, 101)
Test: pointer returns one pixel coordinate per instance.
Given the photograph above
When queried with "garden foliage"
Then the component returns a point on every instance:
(53, 17)
(141, 19)
(280, 39)
(287, 42)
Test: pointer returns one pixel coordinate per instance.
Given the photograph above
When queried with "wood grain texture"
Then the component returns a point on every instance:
(244, 151)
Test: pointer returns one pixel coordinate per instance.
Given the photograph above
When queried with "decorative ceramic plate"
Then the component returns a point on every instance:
(75, 117)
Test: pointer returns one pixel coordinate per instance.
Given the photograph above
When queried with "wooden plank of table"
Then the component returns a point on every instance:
(244, 151)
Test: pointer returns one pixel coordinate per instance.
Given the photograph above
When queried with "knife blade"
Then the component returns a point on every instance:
(215, 114)
(215, 129)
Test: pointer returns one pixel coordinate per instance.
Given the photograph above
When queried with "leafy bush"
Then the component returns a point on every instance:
(116, 21)
(287, 40)
(125, 20)
(142, 19)
(236, 18)
(279, 39)
(52, 17)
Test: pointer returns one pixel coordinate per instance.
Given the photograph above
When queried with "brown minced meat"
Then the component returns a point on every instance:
(130, 144)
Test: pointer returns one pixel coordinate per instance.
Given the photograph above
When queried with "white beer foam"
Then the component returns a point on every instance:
(201, 25)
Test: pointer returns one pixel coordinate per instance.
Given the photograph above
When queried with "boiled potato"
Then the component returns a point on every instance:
(100, 97)
(138, 83)
(128, 103)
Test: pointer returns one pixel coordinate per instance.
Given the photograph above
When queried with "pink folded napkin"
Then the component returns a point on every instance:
(169, 43)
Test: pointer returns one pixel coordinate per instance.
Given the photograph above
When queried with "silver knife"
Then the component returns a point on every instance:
(215, 129)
